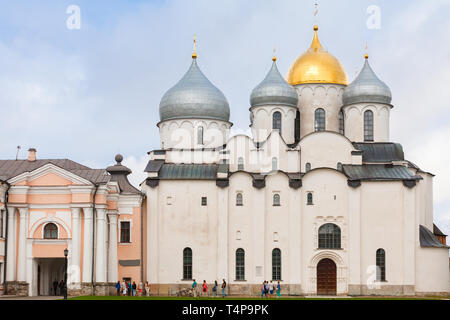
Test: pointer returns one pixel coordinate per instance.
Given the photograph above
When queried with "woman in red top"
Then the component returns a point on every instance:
(204, 288)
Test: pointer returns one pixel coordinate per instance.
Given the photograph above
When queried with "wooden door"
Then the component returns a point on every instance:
(326, 277)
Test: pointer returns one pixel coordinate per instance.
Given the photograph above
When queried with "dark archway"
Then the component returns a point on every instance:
(326, 277)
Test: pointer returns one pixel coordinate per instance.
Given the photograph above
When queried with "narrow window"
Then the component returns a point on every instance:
(276, 123)
(276, 200)
(341, 123)
(368, 126)
(1, 223)
(240, 164)
(50, 231)
(239, 200)
(276, 264)
(204, 201)
(381, 265)
(274, 164)
(329, 236)
(319, 120)
(297, 126)
(125, 232)
(240, 264)
(339, 166)
(200, 135)
(309, 199)
(308, 167)
(187, 264)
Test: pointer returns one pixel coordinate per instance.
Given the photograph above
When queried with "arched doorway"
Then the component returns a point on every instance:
(326, 277)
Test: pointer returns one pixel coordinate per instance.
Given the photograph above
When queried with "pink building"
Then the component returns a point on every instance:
(53, 204)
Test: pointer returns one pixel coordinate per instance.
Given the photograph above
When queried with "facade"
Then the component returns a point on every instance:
(318, 198)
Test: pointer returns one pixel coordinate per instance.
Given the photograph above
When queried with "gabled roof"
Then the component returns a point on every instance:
(428, 240)
(379, 172)
(437, 231)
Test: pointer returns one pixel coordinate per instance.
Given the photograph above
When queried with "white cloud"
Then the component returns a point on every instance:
(137, 165)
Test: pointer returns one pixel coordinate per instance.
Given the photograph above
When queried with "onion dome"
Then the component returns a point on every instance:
(367, 87)
(316, 65)
(194, 97)
(274, 90)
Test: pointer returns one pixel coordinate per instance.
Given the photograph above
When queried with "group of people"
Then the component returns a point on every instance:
(127, 288)
(58, 288)
(203, 290)
(269, 288)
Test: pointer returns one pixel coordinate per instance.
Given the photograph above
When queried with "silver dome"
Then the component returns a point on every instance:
(194, 97)
(367, 87)
(274, 90)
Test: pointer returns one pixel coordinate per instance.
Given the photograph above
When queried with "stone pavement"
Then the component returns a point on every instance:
(31, 298)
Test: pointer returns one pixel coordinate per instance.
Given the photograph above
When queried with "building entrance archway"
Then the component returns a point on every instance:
(49, 271)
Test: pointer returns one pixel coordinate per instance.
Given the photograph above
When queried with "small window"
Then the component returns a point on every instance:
(339, 166)
(200, 135)
(50, 231)
(276, 200)
(241, 164)
(125, 232)
(240, 264)
(276, 264)
(341, 123)
(274, 164)
(308, 167)
(319, 120)
(187, 264)
(239, 200)
(309, 199)
(204, 201)
(381, 265)
(276, 125)
(329, 236)
(368, 126)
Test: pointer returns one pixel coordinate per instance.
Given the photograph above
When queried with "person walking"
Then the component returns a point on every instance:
(118, 288)
(204, 288)
(124, 288)
(270, 289)
(214, 289)
(55, 287)
(129, 288)
(194, 287)
(134, 289)
(224, 287)
(61, 288)
(147, 289)
(266, 288)
(278, 289)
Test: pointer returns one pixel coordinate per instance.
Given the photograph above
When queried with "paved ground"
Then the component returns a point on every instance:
(30, 298)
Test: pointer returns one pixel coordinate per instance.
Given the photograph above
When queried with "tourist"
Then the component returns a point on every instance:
(278, 289)
(266, 288)
(129, 288)
(134, 289)
(118, 288)
(140, 288)
(270, 289)
(214, 289)
(61, 288)
(204, 288)
(263, 289)
(124, 288)
(194, 288)
(55, 287)
(147, 288)
(224, 286)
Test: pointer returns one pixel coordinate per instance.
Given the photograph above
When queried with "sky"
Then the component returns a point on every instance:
(91, 92)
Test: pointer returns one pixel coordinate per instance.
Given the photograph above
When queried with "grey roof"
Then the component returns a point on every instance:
(437, 231)
(379, 172)
(170, 171)
(274, 90)
(380, 152)
(154, 165)
(13, 168)
(194, 97)
(367, 87)
(427, 239)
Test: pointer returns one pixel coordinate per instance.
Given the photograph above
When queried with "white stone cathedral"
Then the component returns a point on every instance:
(318, 198)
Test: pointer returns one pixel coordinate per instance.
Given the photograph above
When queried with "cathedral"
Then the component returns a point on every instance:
(317, 198)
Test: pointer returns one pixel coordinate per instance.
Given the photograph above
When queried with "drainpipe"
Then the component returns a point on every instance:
(94, 216)
(142, 239)
(5, 286)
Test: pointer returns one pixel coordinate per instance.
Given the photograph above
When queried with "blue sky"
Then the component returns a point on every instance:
(91, 93)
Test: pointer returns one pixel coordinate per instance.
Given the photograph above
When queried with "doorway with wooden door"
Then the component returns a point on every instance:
(326, 277)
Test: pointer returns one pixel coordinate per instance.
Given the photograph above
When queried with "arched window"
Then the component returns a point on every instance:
(329, 236)
(276, 264)
(319, 120)
(240, 264)
(339, 166)
(276, 200)
(239, 199)
(276, 123)
(308, 167)
(381, 265)
(50, 231)
(274, 164)
(309, 199)
(187, 264)
(240, 164)
(368, 126)
(200, 135)
(341, 123)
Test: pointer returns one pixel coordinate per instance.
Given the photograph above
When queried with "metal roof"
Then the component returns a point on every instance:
(437, 231)
(427, 239)
(380, 151)
(378, 172)
(188, 171)
(154, 165)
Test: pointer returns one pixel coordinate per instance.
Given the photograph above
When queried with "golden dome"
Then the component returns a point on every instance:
(316, 65)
